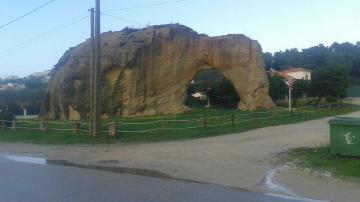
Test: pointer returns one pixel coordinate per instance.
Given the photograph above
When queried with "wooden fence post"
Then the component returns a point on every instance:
(44, 126)
(254, 119)
(2, 124)
(205, 122)
(76, 127)
(232, 120)
(162, 124)
(329, 106)
(274, 115)
(113, 129)
(13, 125)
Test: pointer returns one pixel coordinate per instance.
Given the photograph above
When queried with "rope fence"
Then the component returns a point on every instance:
(161, 125)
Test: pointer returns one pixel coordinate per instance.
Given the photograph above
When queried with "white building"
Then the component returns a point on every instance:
(200, 95)
(298, 73)
(11, 86)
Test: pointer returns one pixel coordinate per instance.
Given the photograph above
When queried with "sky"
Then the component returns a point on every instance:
(36, 42)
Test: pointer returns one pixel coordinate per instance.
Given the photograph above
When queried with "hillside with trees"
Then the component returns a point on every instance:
(334, 68)
(29, 96)
(344, 55)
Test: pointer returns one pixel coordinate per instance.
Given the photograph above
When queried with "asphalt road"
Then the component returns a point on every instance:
(37, 181)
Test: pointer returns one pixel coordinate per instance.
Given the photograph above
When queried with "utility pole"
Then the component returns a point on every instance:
(290, 92)
(97, 74)
(92, 69)
(289, 98)
(288, 82)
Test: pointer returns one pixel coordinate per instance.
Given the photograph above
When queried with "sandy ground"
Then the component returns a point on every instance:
(239, 160)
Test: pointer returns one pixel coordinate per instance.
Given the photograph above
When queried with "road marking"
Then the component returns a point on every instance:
(294, 198)
(25, 159)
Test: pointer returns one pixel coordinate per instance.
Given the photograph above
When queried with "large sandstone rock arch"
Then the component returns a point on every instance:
(147, 72)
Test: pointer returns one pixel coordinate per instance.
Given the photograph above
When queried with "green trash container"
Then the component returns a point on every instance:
(345, 136)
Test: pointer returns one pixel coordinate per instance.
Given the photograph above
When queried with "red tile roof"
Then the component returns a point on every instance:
(295, 69)
(283, 75)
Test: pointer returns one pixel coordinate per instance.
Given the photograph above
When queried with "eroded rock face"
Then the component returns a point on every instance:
(147, 72)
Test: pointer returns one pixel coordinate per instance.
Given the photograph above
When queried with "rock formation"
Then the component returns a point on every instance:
(147, 71)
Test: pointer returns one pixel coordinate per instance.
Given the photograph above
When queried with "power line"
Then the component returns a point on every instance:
(123, 19)
(146, 5)
(62, 27)
(26, 14)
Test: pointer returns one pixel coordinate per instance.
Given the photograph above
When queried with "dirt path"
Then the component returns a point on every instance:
(238, 160)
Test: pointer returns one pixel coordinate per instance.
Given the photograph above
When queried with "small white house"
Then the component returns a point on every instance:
(298, 73)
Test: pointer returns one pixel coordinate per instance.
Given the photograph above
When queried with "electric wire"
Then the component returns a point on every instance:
(123, 19)
(26, 14)
(146, 5)
(48, 33)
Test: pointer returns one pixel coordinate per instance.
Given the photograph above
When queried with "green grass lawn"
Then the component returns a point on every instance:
(320, 159)
(173, 127)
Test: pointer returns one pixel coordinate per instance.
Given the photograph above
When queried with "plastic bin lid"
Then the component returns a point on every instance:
(345, 121)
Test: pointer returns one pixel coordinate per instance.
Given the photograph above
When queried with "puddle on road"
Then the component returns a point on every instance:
(280, 191)
(272, 186)
(276, 189)
(109, 161)
(114, 169)
(25, 159)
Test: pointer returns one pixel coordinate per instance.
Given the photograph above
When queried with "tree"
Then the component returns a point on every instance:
(300, 88)
(268, 59)
(338, 61)
(7, 116)
(223, 94)
(278, 88)
(291, 57)
(13, 108)
(31, 97)
(219, 89)
(314, 58)
(334, 68)
(330, 82)
(34, 83)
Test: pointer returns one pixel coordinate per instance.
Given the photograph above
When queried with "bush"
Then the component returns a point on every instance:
(331, 99)
(330, 82)
(5, 115)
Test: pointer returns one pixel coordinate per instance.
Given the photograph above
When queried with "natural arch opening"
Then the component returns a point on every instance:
(210, 88)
